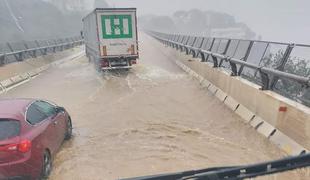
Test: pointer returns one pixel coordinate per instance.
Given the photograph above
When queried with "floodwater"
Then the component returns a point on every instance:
(152, 119)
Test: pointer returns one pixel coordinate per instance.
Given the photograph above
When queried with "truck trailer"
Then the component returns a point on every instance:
(111, 38)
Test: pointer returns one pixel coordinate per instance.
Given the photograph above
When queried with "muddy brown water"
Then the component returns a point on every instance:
(152, 119)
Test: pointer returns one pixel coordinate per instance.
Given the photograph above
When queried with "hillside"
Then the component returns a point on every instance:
(41, 19)
(197, 22)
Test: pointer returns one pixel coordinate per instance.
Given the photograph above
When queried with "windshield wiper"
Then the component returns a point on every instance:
(236, 172)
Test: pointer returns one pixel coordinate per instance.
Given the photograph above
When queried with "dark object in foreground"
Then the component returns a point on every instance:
(237, 172)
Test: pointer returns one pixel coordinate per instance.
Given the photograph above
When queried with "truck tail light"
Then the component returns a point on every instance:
(133, 49)
(104, 51)
(134, 62)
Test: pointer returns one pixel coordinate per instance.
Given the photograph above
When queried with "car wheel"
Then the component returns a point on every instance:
(69, 129)
(47, 165)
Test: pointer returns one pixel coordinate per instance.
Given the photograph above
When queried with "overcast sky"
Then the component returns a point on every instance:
(276, 20)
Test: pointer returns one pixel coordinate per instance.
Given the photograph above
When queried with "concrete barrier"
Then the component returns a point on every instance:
(221, 95)
(265, 128)
(25, 76)
(2, 88)
(283, 121)
(256, 122)
(212, 88)
(287, 144)
(231, 103)
(17, 79)
(246, 114)
(205, 83)
(7, 83)
(33, 73)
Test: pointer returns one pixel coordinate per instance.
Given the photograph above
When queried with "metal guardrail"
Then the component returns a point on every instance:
(19, 51)
(281, 67)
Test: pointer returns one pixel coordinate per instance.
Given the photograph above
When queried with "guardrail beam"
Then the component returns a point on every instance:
(269, 76)
(20, 55)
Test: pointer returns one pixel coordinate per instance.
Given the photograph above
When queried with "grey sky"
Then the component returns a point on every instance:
(277, 20)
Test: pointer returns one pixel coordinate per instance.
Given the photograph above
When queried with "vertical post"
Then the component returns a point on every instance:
(246, 56)
(2, 59)
(55, 47)
(206, 57)
(200, 46)
(48, 45)
(225, 51)
(215, 61)
(72, 42)
(192, 45)
(17, 57)
(28, 52)
(43, 52)
(284, 60)
(62, 46)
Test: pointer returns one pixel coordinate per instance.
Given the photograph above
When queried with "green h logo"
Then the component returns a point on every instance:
(116, 26)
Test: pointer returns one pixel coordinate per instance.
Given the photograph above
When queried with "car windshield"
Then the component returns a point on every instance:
(9, 128)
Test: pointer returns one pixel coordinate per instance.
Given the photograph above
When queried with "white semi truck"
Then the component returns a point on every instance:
(111, 38)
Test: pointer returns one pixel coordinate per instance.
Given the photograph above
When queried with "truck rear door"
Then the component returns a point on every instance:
(117, 33)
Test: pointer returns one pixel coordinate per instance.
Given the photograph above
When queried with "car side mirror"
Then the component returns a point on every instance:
(60, 109)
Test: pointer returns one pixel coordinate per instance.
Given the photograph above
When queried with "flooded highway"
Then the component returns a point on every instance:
(149, 120)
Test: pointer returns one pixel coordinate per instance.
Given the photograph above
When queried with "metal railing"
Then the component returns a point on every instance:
(19, 51)
(281, 67)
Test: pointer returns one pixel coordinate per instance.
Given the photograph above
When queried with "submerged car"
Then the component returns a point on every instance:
(31, 132)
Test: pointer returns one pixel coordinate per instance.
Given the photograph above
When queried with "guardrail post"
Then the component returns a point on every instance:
(47, 48)
(20, 56)
(246, 57)
(26, 48)
(66, 44)
(62, 46)
(202, 55)
(215, 61)
(285, 58)
(2, 59)
(55, 47)
(305, 98)
(34, 53)
(12, 50)
(234, 69)
(225, 51)
(265, 80)
(72, 42)
(43, 52)
(206, 57)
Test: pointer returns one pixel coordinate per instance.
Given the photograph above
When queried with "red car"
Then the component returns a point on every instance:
(31, 132)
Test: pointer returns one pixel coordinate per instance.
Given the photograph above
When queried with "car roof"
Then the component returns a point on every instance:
(14, 108)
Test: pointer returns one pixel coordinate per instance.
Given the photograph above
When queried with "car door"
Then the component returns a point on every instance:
(43, 125)
(57, 118)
